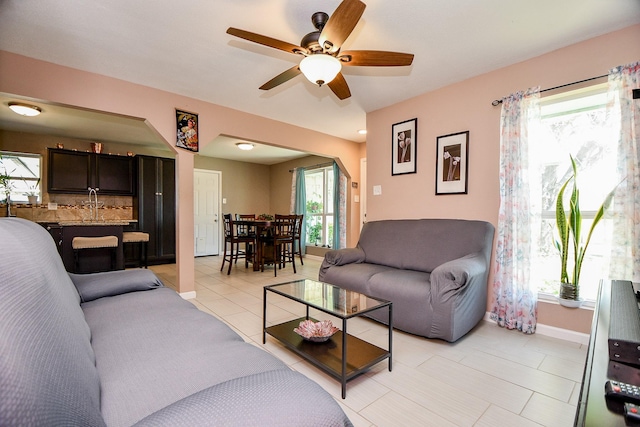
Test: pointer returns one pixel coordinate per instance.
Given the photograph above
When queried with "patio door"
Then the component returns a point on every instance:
(206, 224)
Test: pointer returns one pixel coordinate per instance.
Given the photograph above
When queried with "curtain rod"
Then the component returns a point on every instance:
(497, 102)
(319, 165)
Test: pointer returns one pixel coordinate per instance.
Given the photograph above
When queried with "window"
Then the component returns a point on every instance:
(572, 123)
(19, 175)
(319, 185)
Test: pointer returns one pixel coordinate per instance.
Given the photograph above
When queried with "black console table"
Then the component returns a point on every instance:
(592, 408)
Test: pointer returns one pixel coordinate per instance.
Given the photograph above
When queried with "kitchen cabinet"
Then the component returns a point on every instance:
(72, 172)
(69, 171)
(156, 206)
(115, 174)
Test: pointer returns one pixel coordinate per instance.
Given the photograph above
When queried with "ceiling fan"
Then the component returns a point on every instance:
(323, 58)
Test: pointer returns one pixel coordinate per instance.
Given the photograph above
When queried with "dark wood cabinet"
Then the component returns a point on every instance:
(115, 175)
(156, 206)
(73, 172)
(69, 171)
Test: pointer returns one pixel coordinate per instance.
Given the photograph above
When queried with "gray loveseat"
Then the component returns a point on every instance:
(120, 349)
(433, 270)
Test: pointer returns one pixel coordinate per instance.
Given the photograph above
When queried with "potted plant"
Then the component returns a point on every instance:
(570, 234)
(32, 192)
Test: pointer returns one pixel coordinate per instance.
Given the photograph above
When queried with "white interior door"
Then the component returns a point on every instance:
(206, 187)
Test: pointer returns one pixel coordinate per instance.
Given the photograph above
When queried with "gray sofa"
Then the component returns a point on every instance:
(120, 349)
(433, 270)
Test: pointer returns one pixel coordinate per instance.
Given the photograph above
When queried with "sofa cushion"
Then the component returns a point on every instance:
(264, 399)
(423, 244)
(413, 288)
(49, 376)
(353, 276)
(154, 348)
(110, 283)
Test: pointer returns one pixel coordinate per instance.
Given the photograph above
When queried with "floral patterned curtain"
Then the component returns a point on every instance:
(624, 112)
(515, 297)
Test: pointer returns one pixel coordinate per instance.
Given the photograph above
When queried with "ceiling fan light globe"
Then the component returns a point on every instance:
(320, 68)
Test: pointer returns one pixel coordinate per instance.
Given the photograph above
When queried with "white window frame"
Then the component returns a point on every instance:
(551, 107)
(327, 209)
(22, 184)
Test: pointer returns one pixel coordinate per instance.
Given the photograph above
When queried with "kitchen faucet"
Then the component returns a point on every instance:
(93, 204)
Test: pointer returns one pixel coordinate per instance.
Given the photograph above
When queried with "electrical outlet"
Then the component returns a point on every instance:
(52, 206)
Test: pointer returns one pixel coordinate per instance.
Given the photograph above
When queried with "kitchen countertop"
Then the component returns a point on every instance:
(91, 223)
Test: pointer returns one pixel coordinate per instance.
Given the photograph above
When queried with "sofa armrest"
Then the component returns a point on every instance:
(452, 276)
(111, 283)
(458, 296)
(340, 257)
(344, 256)
(251, 401)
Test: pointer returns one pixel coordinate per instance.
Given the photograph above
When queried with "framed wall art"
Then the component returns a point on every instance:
(187, 130)
(403, 147)
(452, 163)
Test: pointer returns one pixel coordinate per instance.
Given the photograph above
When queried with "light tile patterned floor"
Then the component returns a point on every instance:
(490, 377)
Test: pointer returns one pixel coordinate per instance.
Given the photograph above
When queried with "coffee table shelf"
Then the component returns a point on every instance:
(328, 355)
(342, 356)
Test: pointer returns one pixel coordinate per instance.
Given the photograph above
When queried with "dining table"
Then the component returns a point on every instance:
(261, 226)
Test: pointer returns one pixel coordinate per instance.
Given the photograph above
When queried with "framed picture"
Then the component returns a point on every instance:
(187, 130)
(403, 147)
(452, 163)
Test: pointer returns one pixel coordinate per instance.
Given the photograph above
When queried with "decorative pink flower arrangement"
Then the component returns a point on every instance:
(317, 332)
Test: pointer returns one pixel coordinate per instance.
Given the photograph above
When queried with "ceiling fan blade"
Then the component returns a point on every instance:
(265, 41)
(375, 58)
(340, 87)
(281, 78)
(341, 24)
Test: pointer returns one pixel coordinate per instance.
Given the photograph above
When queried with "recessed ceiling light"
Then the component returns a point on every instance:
(244, 146)
(24, 109)
(362, 131)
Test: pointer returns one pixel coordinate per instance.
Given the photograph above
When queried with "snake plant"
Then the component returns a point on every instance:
(570, 232)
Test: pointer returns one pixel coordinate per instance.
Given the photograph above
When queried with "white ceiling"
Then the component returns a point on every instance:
(182, 47)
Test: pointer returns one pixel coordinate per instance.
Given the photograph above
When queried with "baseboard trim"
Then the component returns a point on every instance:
(563, 334)
(315, 257)
(188, 295)
(555, 332)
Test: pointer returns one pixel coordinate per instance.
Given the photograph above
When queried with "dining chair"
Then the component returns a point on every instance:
(282, 240)
(232, 241)
(247, 230)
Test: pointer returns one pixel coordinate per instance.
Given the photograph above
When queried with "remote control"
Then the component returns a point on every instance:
(632, 414)
(622, 392)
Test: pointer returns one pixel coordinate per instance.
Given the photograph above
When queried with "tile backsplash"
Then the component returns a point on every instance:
(70, 208)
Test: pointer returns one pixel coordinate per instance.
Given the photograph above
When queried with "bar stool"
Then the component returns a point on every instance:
(138, 237)
(87, 243)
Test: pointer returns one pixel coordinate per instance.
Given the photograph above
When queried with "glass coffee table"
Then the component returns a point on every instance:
(342, 356)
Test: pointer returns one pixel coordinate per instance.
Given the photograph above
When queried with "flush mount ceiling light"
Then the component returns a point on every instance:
(320, 68)
(24, 109)
(246, 146)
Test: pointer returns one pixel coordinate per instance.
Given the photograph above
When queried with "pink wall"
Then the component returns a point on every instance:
(467, 106)
(43, 81)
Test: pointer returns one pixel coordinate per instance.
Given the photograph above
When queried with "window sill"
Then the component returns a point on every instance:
(553, 299)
